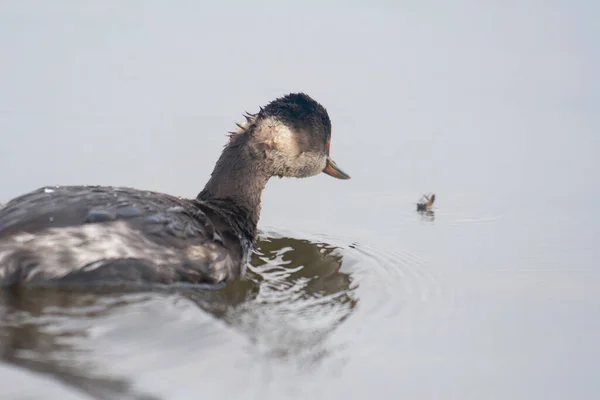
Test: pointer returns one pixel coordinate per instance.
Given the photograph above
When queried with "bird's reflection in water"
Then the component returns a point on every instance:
(291, 298)
(303, 297)
(427, 215)
(41, 331)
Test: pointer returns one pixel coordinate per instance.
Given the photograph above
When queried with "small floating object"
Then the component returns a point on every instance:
(426, 202)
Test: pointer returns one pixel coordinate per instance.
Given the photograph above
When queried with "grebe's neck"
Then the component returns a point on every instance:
(238, 177)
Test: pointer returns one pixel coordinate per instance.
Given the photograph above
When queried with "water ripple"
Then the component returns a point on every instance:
(282, 318)
(395, 283)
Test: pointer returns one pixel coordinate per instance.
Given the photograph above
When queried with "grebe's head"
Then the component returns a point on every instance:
(292, 136)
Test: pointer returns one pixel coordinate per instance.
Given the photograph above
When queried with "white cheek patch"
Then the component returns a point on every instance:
(277, 135)
(310, 164)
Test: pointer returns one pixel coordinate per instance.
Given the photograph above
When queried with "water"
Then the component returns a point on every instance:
(351, 292)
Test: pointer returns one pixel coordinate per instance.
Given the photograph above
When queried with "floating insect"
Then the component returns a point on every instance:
(426, 202)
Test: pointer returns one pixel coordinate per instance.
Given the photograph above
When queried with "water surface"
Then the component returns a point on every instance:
(351, 293)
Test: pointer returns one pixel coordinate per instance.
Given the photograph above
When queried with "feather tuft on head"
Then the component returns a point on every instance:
(243, 127)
